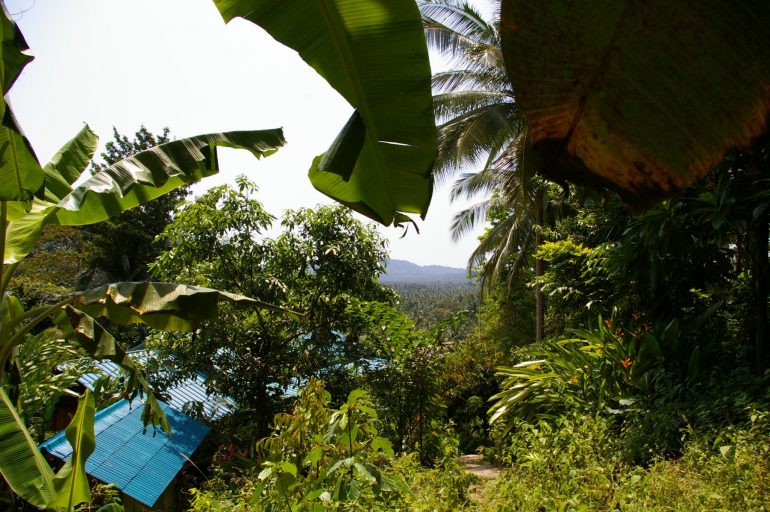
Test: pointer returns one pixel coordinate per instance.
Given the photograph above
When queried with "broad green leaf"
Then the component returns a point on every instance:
(24, 232)
(313, 456)
(393, 484)
(356, 395)
(341, 489)
(265, 473)
(644, 97)
(14, 53)
(68, 164)
(166, 306)
(288, 467)
(126, 184)
(100, 344)
(154, 172)
(375, 55)
(71, 481)
(21, 463)
(21, 175)
(383, 445)
(364, 473)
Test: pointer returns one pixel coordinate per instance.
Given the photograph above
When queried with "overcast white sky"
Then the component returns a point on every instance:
(175, 63)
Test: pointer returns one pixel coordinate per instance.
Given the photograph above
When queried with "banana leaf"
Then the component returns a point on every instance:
(100, 344)
(68, 164)
(20, 174)
(21, 464)
(641, 97)
(71, 481)
(375, 55)
(126, 184)
(165, 306)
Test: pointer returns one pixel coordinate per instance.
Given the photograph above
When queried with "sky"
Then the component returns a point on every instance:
(174, 63)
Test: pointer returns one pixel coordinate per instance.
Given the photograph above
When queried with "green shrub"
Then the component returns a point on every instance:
(575, 463)
(317, 459)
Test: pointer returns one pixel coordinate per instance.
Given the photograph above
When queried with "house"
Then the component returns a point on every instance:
(144, 466)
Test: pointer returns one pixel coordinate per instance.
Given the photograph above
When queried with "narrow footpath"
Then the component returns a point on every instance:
(475, 465)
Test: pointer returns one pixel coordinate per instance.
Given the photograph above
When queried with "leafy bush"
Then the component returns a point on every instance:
(316, 459)
(576, 463)
(596, 371)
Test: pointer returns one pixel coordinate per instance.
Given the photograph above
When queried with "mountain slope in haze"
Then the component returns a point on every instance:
(401, 271)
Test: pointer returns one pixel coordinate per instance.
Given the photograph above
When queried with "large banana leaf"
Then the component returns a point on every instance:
(20, 173)
(71, 482)
(128, 183)
(100, 344)
(644, 97)
(161, 305)
(373, 52)
(21, 464)
(68, 164)
(14, 51)
(165, 306)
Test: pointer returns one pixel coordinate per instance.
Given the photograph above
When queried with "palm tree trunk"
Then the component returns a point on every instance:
(760, 276)
(539, 298)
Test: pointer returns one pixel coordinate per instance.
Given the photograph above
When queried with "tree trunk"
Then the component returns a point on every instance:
(539, 299)
(759, 276)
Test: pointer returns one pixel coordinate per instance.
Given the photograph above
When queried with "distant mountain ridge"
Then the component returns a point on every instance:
(401, 271)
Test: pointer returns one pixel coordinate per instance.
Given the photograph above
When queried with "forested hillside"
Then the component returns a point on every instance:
(400, 271)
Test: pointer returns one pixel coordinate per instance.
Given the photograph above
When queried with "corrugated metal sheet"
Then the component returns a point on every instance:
(140, 465)
(189, 391)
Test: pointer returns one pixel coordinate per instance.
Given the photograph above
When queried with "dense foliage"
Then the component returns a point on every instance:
(635, 377)
(320, 261)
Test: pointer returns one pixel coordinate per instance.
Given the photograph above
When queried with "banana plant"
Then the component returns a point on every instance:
(33, 196)
(374, 54)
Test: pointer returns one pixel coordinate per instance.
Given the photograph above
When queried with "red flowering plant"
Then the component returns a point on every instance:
(599, 369)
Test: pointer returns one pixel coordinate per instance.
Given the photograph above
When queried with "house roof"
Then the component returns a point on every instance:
(140, 465)
(189, 391)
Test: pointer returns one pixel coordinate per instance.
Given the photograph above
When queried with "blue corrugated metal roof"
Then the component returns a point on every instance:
(189, 391)
(140, 465)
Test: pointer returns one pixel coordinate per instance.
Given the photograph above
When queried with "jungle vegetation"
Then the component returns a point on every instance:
(614, 357)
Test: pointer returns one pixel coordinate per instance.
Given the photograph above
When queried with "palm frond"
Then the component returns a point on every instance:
(471, 184)
(486, 79)
(452, 104)
(469, 138)
(461, 18)
(465, 220)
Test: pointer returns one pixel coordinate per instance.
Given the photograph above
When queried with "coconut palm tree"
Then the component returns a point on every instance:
(480, 124)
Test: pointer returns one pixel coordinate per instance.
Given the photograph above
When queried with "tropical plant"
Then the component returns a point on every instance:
(374, 54)
(481, 123)
(597, 370)
(45, 377)
(124, 245)
(319, 458)
(597, 84)
(32, 196)
(402, 375)
(322, 259)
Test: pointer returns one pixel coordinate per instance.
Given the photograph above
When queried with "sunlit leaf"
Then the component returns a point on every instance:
(21, 463)
(71, 481)
(643, 97)
(125, 184)
(374, 54)
(166, 306)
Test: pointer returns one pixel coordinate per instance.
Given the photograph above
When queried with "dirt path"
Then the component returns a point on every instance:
(475, 465)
